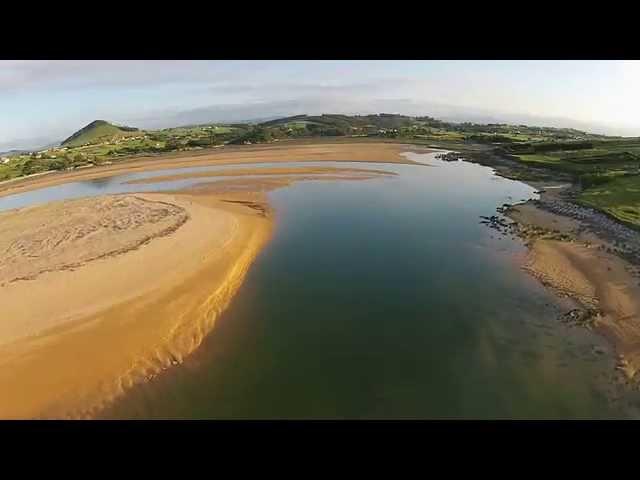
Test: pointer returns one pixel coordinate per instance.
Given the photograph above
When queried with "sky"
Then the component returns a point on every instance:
(42, 102)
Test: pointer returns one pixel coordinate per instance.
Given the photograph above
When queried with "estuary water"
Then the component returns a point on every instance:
(381, 298)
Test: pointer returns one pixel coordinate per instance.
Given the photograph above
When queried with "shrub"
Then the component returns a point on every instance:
(589, 180)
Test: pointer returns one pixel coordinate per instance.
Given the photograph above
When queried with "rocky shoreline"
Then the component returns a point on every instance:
(581, 229)
(625, 241)
(619, 238)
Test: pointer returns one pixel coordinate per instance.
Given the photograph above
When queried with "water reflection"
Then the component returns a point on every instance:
(387, 299)
(376, 299)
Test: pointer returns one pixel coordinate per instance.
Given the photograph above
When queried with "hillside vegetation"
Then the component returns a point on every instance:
(607, 168)
(98, 131)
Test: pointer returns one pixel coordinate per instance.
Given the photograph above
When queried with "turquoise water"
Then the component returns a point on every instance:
(382, 298)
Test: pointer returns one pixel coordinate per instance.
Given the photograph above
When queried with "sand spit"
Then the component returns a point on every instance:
(73, 339)
(289, 152)
(306, 171)
(604, 285)
(102, 293)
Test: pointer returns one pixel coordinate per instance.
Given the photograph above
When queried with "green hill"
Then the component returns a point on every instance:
(99, 131)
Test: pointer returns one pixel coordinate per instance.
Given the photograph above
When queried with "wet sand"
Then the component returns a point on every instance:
(599, 281)
(102, 293)
(306, 171)
(74, 339)
(275, 153)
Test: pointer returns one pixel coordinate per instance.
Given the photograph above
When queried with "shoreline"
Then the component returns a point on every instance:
(574, 262)
(364, 152)
(579, 253)
(155, 319)
(565, 253)
(160, 269)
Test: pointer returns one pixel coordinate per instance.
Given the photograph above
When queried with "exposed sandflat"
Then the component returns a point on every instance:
(530, 214)
(315, 171)
(101, 293)
(72, 340)
(335, 152)
(595, 278)
(65, 235)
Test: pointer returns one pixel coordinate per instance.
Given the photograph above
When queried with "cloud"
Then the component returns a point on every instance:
(291, 89)
(47, 97)
(35, 74)
(28, 144)
(315, 105)
(338, 103)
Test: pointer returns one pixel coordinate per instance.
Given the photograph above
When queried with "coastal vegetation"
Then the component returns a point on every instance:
(607, 169)
(158, 320)
(98, 131)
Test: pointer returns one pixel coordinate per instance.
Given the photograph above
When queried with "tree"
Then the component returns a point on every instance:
(32, 166)
(171, 144)
(57, 165)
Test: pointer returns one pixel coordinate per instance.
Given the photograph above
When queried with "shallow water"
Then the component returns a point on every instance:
(118, 183)
(383, 298)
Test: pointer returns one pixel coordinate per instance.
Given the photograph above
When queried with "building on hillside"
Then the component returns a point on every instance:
(4, 160)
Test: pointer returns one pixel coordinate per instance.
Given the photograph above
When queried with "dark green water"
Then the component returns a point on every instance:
(387, 299)
(379, 299)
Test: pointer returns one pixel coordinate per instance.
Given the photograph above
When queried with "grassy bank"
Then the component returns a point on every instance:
(606, 168)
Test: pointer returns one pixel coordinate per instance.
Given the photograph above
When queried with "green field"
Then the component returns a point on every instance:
(602, 158)
(196, 131)
(607, 168)
(619, 197)
(99, 131)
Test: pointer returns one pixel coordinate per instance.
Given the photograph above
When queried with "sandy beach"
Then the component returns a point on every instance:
(275, 153)
(103, 293)
(280, 172)
(603, 284)
(73, 339)
(572, 251)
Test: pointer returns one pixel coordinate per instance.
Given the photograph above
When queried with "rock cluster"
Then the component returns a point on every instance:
(449, 157)
(499, 224)
(626, 240)
(588, 317)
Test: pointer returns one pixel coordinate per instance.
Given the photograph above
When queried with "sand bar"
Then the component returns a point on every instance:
(103, 293)
(285, 152)
(72, 339)
(306, 171)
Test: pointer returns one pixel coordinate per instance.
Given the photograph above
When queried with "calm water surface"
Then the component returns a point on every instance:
(379, 299)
